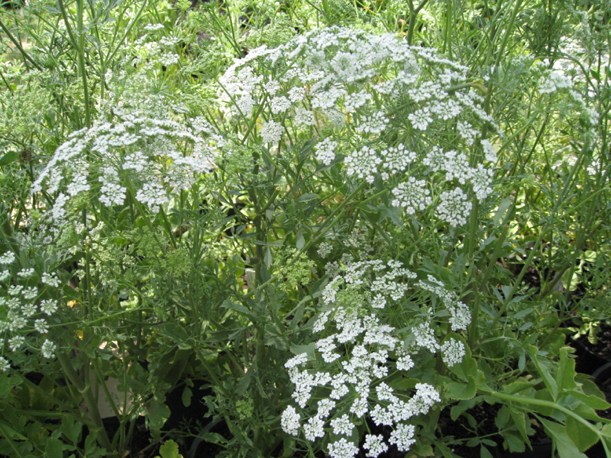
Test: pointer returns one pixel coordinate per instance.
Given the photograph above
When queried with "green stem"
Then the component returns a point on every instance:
(92, 406)
(413, 15)
(81, 60)
(111, 55)
(542, 403)
(19, 47)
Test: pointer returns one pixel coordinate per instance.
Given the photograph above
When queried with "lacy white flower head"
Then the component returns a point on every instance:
(352, 373)
(26, 309)
(151, 158)
(361, 89)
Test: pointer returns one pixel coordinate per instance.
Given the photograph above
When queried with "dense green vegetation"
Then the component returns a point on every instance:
(333, 225)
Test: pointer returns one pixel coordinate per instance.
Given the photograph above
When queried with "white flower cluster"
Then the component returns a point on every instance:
(460, 316)
(135, 151)
(554, 81)
(357, 353)
(356, 388)
(22, 311)
(353, 82)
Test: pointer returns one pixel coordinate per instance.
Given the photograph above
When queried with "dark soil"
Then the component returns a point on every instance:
(602, 346)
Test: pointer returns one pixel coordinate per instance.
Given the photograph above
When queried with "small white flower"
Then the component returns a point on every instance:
(374, 124)
(454, 207)
(7, 258)
(41, 326)
(153, 27)
(467, 132)
(297, 360)
(460, 314)
(16, 343)
(452, 352)
(48, 306)
(381, 416)
(17, 323)
(319, 325)
(482, 182)
(342, 449)
(26, 273)
(48, 349)
(405, 363)
(375, 444)
(315, 427)
(489, 153)
(412, 196)
(50, 279)
(4, 364)
(271, 132)
(356, 100)
(339, 392)
(28, 310)
(425, 337)
(324, 249)
(457, 167)
(385, 393)
(304, 117)
(280, 104)
(403, 437)
(325, 151)
(296, 94)
(421, 118)
(271, 87)
(30, 293)
(325, 406)
(363, 163)
(359, 407)
(342, 425)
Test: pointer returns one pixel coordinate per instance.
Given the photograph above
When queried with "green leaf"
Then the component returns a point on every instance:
(582, 436)
(310, 349)
(169, 450)
(187, 394)
(54, 448)
(544, 369)
(500, 212)
(300, 241)
(445, 450)
(484, 453)
(518, 386)
(591, 401)
(308, 197)
(461, 391)
(71, 429)
(403, 383)
(214, 438)
(566, 371)
(565, 446)
(176, 333)
(423, 450)
(8, 158)
(240, 309)
(394, 214)
(519, 419)
(514, 443)
(502, 417)
(244, 382)
(158, 414)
